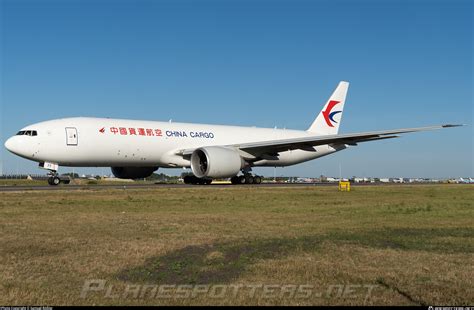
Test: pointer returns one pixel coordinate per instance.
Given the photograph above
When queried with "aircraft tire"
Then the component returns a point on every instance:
(249, 179)
(257, 180)
(54, 181)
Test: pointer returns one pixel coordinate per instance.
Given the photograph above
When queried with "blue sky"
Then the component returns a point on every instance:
(265, 63)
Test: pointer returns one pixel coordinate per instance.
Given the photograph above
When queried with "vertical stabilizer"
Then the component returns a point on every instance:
(329, 119)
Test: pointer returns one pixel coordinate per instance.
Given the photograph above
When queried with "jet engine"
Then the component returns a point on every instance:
(216, 162)
(133, 172)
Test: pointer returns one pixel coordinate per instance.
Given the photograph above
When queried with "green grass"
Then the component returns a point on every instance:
(414, 243)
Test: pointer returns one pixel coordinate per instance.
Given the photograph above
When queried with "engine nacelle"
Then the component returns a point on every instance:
(133, 172)
(216, 162)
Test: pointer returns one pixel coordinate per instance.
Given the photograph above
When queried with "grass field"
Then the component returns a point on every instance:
(412, 245)
(25, 182)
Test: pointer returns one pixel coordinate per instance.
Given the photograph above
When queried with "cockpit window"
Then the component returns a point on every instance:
(31, 133)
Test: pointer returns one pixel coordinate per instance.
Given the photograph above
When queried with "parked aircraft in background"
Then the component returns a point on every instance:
(135, 148)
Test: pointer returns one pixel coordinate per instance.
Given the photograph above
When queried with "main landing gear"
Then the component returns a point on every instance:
(191, 179)
(247, 178)
(243, 179)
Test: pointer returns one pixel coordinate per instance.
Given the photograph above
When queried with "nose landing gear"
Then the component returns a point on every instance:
(53, 176)
(54, 179)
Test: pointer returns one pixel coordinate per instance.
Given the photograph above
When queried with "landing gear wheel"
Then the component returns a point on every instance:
(188, 179)
(54, 181)
(257, 180)
(249, 179)
(241, 180)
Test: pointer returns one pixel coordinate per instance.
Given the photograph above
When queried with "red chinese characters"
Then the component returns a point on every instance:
(124, 131)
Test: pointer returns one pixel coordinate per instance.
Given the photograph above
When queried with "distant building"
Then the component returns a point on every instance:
(362, 180)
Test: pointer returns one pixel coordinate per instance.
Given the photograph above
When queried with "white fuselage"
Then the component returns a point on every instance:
(104, 142)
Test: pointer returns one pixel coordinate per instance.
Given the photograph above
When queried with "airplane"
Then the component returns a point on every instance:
(136, 149)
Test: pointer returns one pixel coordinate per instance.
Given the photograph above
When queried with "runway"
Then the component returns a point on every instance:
(161, 185)
(148, 186)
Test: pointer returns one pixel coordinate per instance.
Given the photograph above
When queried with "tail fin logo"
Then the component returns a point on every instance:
(328, 115)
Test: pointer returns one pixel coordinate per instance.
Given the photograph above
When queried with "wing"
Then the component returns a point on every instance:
(307, 143)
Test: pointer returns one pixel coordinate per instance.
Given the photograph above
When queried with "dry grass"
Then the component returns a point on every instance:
(91, 183)
(414, 243)
(21, 182)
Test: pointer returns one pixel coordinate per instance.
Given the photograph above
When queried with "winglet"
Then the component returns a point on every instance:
(453, 125)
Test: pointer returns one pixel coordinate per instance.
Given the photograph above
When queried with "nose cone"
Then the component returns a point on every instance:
(9, 144)
(14, 145)
(22, 146)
